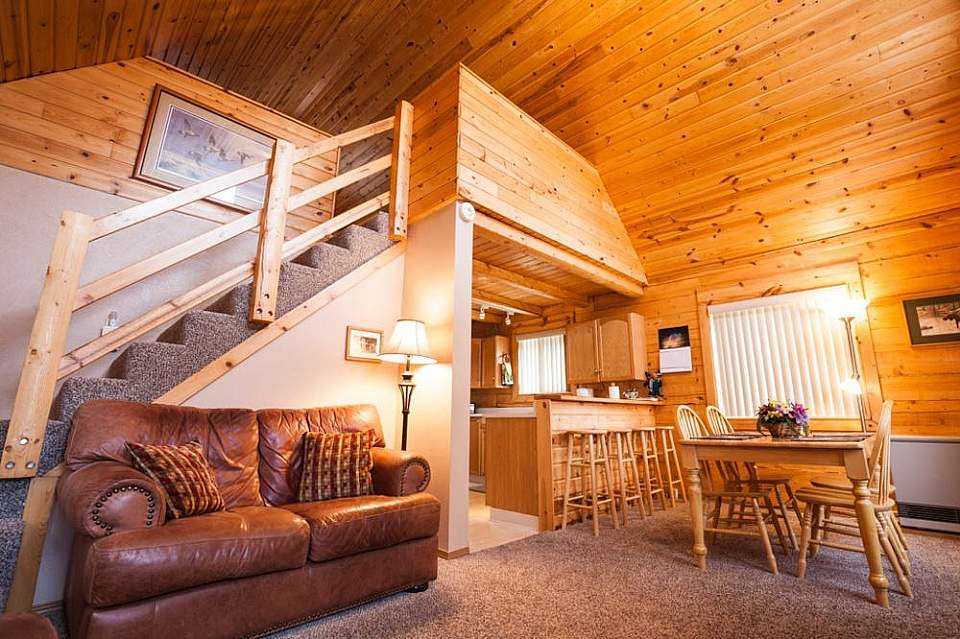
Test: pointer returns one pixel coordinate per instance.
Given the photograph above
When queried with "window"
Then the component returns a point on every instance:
(785, 347)
(540, 363)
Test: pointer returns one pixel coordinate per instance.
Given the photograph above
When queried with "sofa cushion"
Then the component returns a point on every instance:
(243, 542)
(335, 465)
(343, 527)
(281, 442)
(229, 437)
(183, 474)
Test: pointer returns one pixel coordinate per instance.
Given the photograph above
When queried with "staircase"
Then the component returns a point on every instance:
(146, 371)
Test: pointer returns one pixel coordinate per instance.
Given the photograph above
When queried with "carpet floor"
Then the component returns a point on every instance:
(640, 581)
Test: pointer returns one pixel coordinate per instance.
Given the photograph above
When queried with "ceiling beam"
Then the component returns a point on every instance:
(529, 284)
(558, 256)
(504, 304)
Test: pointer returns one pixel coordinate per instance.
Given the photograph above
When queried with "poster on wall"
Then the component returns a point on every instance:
(675, 354)
(185, 143)
(933, 320)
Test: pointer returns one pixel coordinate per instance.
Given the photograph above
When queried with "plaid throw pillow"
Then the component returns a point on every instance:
(184, 475)
(336, 465)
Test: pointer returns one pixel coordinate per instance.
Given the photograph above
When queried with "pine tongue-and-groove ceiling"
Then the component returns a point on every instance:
(722, 129)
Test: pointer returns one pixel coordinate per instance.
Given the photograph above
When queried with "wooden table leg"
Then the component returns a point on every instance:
(695, 495)
(867, 520)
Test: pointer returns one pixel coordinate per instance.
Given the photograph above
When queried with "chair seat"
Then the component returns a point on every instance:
(840, 483)
(241, 542)
(837, 498)
(348, 526)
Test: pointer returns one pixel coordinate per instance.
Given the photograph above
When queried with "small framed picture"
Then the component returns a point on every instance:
(933, 320)
(363, 344)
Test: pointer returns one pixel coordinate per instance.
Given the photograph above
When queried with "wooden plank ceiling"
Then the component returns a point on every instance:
(723, 129)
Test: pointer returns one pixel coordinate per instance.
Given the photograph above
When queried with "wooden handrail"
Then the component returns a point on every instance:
(135, 214)
(337, 141)
(109, 284)
(166, 312)
(307, 239)
(335, 184)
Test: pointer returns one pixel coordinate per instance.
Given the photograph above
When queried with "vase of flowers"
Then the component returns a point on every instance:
(783, 420)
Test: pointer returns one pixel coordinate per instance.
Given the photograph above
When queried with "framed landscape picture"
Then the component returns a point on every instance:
(363, 344)
(184, 143)
(933, 320)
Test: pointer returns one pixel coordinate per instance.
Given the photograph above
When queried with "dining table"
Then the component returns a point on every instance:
(850, 452)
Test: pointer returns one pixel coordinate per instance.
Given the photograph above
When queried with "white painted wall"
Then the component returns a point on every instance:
(29, 212)
(439, 271)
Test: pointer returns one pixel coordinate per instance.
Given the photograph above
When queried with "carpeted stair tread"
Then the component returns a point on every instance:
(334, 261)
(363, 242)
(11, 532)
(298, 283)
(380, 223)
(235, 302)
(76, 390)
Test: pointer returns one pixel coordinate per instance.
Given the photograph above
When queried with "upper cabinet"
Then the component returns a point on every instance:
(486, 364)
(610, 349)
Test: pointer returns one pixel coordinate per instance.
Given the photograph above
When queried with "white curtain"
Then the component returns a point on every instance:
(785, 347)
(540, 364)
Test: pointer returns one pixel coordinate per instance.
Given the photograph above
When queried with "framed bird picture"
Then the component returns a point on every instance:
(184, 143)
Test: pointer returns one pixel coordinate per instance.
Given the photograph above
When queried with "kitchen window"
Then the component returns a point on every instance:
(541, 366)
(785, 347)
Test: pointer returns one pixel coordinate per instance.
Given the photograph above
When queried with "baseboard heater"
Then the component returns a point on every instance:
(926, 472)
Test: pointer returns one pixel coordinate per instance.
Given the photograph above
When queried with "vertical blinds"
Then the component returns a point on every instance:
(540, 364)
(784, 347)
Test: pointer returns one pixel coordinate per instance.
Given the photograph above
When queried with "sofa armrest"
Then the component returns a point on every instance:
(399, 473)
(105, 497)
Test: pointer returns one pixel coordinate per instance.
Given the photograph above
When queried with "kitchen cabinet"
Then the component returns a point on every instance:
(475, 350)
(609, 349)
(478, 427)
(486, 361)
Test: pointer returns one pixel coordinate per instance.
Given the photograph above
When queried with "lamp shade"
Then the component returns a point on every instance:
(852, 386)
(408, 343)
(853, 307)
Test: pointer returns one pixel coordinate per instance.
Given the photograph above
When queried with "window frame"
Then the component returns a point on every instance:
(534, 333)
(848, 274)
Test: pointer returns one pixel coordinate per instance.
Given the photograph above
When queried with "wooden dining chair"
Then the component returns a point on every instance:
(780, 486)
(840, 519)
(750, 498)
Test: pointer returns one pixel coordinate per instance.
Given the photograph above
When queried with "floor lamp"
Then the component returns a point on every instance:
(853, 309)
(408, 345)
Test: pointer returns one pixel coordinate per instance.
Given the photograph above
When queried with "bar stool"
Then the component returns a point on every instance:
(647, 455)
(627, 471)
(671, 463)
(594, 453)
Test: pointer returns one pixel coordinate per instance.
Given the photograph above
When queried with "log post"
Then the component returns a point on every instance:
(273, 221)
(38, 377)
(400, 170)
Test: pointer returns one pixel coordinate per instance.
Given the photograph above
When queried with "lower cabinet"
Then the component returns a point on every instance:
(478, 429)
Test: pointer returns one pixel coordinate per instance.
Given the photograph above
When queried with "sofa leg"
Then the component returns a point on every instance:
(419, 587)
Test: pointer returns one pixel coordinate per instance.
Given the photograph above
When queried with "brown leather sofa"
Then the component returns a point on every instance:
(262, 564)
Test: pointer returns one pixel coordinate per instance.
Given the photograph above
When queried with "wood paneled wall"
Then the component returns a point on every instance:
(903, 261)
(84, 126)
(469, 141)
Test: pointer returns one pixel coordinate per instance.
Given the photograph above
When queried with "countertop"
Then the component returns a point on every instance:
(513, 411)
(568, 397)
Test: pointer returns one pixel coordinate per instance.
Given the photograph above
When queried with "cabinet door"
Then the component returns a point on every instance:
(583, 365)
(476, 357)
(622, 347)
(493, 349)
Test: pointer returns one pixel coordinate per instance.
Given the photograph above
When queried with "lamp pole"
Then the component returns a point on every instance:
(855, 367)
(406, 393)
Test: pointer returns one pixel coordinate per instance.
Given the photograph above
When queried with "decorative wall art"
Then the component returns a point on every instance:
(933, 320)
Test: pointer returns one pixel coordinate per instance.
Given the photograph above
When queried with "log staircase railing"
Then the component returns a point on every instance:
(46, 362)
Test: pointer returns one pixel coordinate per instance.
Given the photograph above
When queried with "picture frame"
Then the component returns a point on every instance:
(185, 142)
(675, 353)
(363, 344)
(933, 320)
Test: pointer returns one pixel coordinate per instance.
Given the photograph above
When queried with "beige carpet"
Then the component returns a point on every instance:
(640, 582)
